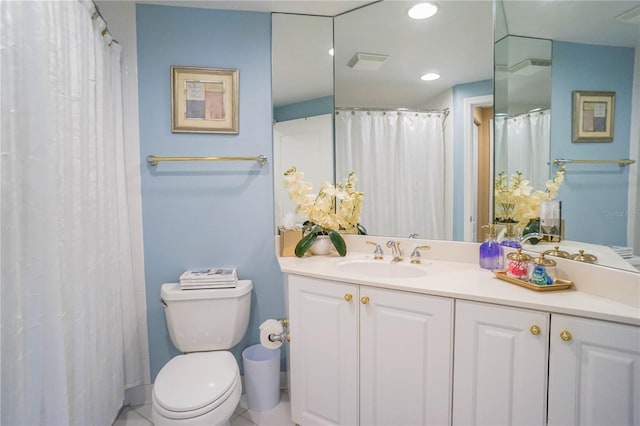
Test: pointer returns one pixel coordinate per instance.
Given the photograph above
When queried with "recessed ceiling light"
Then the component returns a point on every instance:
(430, 76)
(331, 51)
(423, 10)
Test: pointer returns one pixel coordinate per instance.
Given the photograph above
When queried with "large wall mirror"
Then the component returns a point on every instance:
(458, 44)
(546, 50)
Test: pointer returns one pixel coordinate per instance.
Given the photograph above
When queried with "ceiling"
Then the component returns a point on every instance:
(457, 42)
(304, 7)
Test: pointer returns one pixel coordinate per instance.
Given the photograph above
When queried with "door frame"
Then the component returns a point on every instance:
(469, 161)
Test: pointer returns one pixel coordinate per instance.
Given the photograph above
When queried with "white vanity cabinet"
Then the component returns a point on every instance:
(500, 365)
(501, 375)
(594, 372)
(323, 352)
(370, 356)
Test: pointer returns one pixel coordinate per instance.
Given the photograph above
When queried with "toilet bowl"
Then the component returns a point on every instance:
(204, 387)
(201, 388)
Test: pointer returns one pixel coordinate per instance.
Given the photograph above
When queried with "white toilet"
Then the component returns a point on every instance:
(201, 387)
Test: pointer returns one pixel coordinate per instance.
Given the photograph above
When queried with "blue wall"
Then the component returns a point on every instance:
(206, 214)
(594, 197)
(460, 93)
(311, 108)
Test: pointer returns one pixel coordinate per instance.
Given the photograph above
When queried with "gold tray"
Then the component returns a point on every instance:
(558, 284)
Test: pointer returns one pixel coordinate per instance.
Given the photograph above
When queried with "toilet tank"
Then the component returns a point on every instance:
(207, 319)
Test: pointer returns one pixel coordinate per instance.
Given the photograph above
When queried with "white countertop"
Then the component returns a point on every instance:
(465, 280)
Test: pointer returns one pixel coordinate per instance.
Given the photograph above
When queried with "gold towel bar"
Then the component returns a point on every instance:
(558, 162)
(152, 160)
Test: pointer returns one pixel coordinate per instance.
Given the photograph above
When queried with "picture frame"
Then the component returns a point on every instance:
(593, 116)
(204, 100)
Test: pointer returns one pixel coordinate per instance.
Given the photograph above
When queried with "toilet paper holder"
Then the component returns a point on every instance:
(285, 336)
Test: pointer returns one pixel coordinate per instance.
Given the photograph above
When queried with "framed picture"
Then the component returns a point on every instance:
(593, 116)
(204, 100)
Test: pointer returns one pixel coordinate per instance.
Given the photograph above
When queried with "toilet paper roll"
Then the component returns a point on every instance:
(268, 328)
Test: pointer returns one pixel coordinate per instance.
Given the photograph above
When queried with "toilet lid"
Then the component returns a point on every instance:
(192, 381)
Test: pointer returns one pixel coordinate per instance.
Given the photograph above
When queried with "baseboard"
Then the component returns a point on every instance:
(138, 395)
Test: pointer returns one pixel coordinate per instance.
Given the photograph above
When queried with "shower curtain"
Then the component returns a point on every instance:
(70, 346)
(522, 144)
(399, 160)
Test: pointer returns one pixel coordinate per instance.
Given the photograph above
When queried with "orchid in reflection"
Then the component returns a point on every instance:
(517, 201)
(330, 211)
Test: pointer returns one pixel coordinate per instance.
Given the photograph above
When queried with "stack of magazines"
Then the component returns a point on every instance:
(209, 278)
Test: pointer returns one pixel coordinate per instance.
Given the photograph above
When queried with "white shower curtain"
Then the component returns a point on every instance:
(399, 160)
(69, 337)
(522, 144)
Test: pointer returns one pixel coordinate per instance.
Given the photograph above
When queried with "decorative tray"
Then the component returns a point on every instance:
(558, 284)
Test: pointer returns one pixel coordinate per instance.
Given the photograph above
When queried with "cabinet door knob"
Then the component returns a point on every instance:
(364, 300)
(565, 335)
(348, 297)
(535, 330)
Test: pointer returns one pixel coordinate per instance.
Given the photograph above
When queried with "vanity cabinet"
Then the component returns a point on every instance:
(501, 374)
(370, 356)
(594, 372)
(500, 365)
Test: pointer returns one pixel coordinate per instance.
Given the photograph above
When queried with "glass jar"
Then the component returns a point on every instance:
(542, 271)
(518, 265)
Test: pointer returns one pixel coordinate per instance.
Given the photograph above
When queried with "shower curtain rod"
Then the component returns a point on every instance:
(105, 30)
(507, 116)
(444, 111)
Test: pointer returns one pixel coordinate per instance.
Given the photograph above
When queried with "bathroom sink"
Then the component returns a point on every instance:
(381, 269)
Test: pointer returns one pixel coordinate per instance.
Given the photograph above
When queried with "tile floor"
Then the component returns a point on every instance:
(280, 415)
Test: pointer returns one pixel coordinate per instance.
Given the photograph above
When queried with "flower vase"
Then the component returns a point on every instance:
(321, 246)
(531, 228)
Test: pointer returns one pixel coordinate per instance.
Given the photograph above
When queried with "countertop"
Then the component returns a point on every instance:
(465, 280)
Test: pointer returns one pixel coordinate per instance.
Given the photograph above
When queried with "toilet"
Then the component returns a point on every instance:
(202, 386)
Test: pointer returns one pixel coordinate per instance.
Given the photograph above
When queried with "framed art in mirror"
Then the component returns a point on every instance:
(593, 116)
(204, 100)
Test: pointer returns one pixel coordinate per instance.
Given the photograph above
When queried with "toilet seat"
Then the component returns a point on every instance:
(194, 384)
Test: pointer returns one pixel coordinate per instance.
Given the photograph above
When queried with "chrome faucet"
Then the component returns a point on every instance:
(416, 257)
(377, 254)
(531, 236)
(395, 250)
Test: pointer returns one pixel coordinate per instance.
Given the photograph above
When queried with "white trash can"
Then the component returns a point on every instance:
(261, 377)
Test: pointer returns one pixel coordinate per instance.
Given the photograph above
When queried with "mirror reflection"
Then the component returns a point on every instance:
(302, 102)
(604, 215)
(397, 128)
(522, 108)
(592, 49)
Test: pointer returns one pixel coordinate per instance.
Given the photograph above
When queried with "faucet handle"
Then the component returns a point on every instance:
(416, 257)
(377, 253)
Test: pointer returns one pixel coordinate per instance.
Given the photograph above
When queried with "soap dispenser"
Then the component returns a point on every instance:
(491, 253)
(510, 238)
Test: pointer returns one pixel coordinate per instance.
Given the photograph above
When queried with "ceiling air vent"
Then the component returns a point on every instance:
(367, 61)
(529, 66)
(630, 16)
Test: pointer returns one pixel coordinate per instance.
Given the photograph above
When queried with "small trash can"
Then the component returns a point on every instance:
(261, 377)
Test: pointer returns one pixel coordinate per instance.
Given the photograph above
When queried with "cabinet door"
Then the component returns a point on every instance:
(405, 358)
(500, 365)
(594, 372)
(323, 351)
